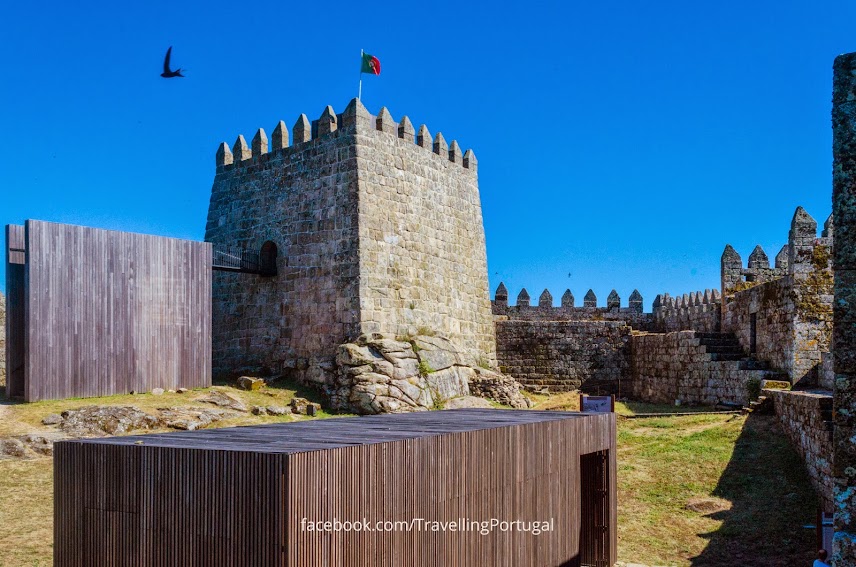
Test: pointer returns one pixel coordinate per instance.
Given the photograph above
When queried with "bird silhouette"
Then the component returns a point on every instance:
(167, 72)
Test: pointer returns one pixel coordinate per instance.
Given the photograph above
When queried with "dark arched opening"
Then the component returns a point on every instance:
(267, 259)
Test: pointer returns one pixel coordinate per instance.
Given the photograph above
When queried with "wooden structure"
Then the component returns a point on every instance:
(96, 312)
(247, 495)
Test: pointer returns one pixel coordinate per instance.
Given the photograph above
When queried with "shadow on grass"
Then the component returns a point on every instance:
(772, 498)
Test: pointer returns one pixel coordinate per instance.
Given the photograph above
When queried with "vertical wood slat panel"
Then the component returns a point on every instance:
(15, 310)
(107, 312)
(232, 497)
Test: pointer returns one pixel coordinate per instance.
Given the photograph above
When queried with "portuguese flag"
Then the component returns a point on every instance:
(371, 64)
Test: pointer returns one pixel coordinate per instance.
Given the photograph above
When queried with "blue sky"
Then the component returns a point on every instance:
(620, 144)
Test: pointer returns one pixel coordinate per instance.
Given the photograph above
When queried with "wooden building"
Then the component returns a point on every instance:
(97, 312)
(250, 495)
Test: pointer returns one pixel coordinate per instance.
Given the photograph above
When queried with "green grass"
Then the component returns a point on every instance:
(743, 465)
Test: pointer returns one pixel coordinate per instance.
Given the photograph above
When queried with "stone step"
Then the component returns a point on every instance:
(720, 342)
(711, 335)
(730, 349)
(720, 357)
(752, 364)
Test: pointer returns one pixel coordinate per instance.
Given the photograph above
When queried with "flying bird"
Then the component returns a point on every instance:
(167, 72)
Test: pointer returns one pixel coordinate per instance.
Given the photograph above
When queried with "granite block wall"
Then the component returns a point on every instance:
(791, 303)
(423, 261)
(696, 311)
(303, 198)
(826, 379)
(593, 356)
(675, 366)
(378, 229)
(545, 310)
(844, 340)
(772, 303)
(804, 417)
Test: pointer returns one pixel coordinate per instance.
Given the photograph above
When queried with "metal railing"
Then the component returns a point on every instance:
(235, 259)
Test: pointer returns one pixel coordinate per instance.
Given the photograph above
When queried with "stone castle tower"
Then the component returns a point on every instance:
(371, 227)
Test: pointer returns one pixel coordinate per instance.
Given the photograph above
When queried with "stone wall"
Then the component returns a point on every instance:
(593, 356)
(773, 306)
(793, 320)
(844, 341)
(804, 416)
(523, 310)
(696, 311)
(826, 379)
(302, 198)
(675, 366)
(2, 340)
(791, 303)
(378, 229)
(423, 261)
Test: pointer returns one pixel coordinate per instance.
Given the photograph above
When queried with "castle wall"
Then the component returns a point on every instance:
(378, 229)
(675, 366)
(826, 379)
(793, 313)
(804, 417)
(423, 260)
(593, 356)
(303, 198)
(696, 311)
(772, 304)
(844, 213)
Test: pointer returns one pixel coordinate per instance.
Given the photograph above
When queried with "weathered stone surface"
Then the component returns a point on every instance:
(438, 352)
(302, 406)
(258, 410)
(676, 366)
(157, 392)
(414, 256)
(804, 418)
(502, 389)
(99, 421)
(466, 402)
(278, 410)
(844, 215)
(377, 374)
(250, 383)
(223, 399)
(52, 419)
(191, 419)
(564, 355)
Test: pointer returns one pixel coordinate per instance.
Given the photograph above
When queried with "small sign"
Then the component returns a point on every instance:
(597, 404)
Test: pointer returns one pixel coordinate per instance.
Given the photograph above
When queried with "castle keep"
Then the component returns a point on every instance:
(375, 227)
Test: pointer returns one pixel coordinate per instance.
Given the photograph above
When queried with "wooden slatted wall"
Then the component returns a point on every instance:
(194, 499)
(109, 312)
(15, 311)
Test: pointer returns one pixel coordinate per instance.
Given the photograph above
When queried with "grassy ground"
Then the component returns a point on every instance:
(749, 485)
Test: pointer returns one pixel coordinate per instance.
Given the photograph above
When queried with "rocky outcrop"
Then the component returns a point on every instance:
(499, 388)
(378, 374)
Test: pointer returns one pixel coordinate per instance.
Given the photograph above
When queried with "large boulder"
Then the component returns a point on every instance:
(379, 374)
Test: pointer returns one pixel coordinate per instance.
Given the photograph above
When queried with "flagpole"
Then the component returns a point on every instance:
(360, 95)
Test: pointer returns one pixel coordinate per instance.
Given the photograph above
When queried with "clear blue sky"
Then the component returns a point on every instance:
(623, 143)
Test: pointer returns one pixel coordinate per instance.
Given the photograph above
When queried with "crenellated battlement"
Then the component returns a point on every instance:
(796, 257)
(329, 122)
(697, 310)
(545, 300)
